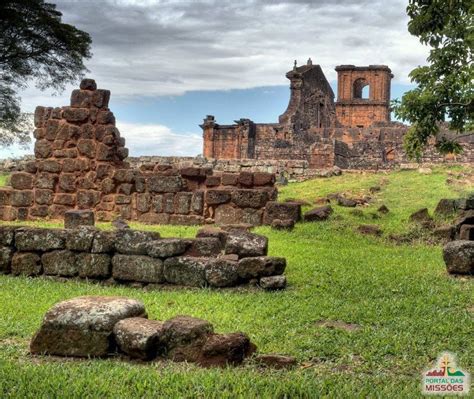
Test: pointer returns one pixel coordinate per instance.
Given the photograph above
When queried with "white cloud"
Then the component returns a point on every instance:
(158, 140)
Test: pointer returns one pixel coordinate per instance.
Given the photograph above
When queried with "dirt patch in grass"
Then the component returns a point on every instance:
(338, 324)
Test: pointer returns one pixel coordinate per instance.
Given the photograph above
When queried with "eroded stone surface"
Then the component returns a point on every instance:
(26, 263)
(260, 266)
(459, 257)
(166, 247)
(222, 273)
(36, 239)
(134, 242)
(137, 268)
(273, 282)
(83, 326)
(139, 337)
(186, 270)
(245, 244)
(75, 218)
(221, 350)
(185, 337)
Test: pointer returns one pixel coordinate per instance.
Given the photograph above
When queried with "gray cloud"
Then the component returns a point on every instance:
(169, 47)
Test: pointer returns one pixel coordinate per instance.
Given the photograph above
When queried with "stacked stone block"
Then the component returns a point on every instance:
(215, 258)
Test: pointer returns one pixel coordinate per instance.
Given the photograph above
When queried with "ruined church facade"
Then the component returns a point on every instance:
(352, 132)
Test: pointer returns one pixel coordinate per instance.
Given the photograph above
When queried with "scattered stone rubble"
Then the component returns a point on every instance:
(458, 253)
(215, 258)
(94, 326)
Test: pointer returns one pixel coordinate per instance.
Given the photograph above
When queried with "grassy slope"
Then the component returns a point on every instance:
(408, 309)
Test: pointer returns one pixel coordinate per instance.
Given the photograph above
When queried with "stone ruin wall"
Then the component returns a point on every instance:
(369, 148)
(352, 133)
(80, 164)
(216, 257)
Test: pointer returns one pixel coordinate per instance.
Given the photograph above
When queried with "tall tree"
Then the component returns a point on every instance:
(444, 91)
(35, 46)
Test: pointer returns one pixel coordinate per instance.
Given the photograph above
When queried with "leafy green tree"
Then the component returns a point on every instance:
(444, 91)
(35, 46)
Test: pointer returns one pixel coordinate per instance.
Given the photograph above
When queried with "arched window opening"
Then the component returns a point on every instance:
(361, 89)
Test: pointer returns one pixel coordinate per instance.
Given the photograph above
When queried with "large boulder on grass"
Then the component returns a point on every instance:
(83, 326)
(459, 257)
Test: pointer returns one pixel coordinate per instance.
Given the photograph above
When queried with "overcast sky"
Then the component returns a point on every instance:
(161, 54)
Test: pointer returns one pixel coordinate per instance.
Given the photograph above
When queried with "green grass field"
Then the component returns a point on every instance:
(407, 308)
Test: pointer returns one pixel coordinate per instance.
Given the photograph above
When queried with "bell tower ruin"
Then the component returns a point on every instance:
(356, 106)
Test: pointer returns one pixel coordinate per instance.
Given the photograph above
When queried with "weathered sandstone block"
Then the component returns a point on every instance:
(80, 238)
(76, 218)
(134, 242)
(246, 244)
(36, 239)
(218, 196)
(104, 242)
(260, 266)
(140, 338)
(21, 181)
(83, 326)
(317, 214)
(247, 198)
(459, 257)
(60, 263)
(277, 210)
(137, 268)
(165, 184)
(94, 265)
(221, 350)
(5, 259)
(185, 337)
(166, 247)
(222, 273)
(7, 235)
(26, 263)
(22, 198)
(273, 282)
(206, 246)
(186, 270)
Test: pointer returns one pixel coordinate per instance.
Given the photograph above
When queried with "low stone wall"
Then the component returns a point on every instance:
(215, 258)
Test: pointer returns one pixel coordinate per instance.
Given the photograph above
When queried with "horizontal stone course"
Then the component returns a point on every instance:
(216, 257)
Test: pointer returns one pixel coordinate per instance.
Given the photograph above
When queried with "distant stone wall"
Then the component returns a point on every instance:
(215, 258)
(381, 147)
(80, 164)
(291, 169)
